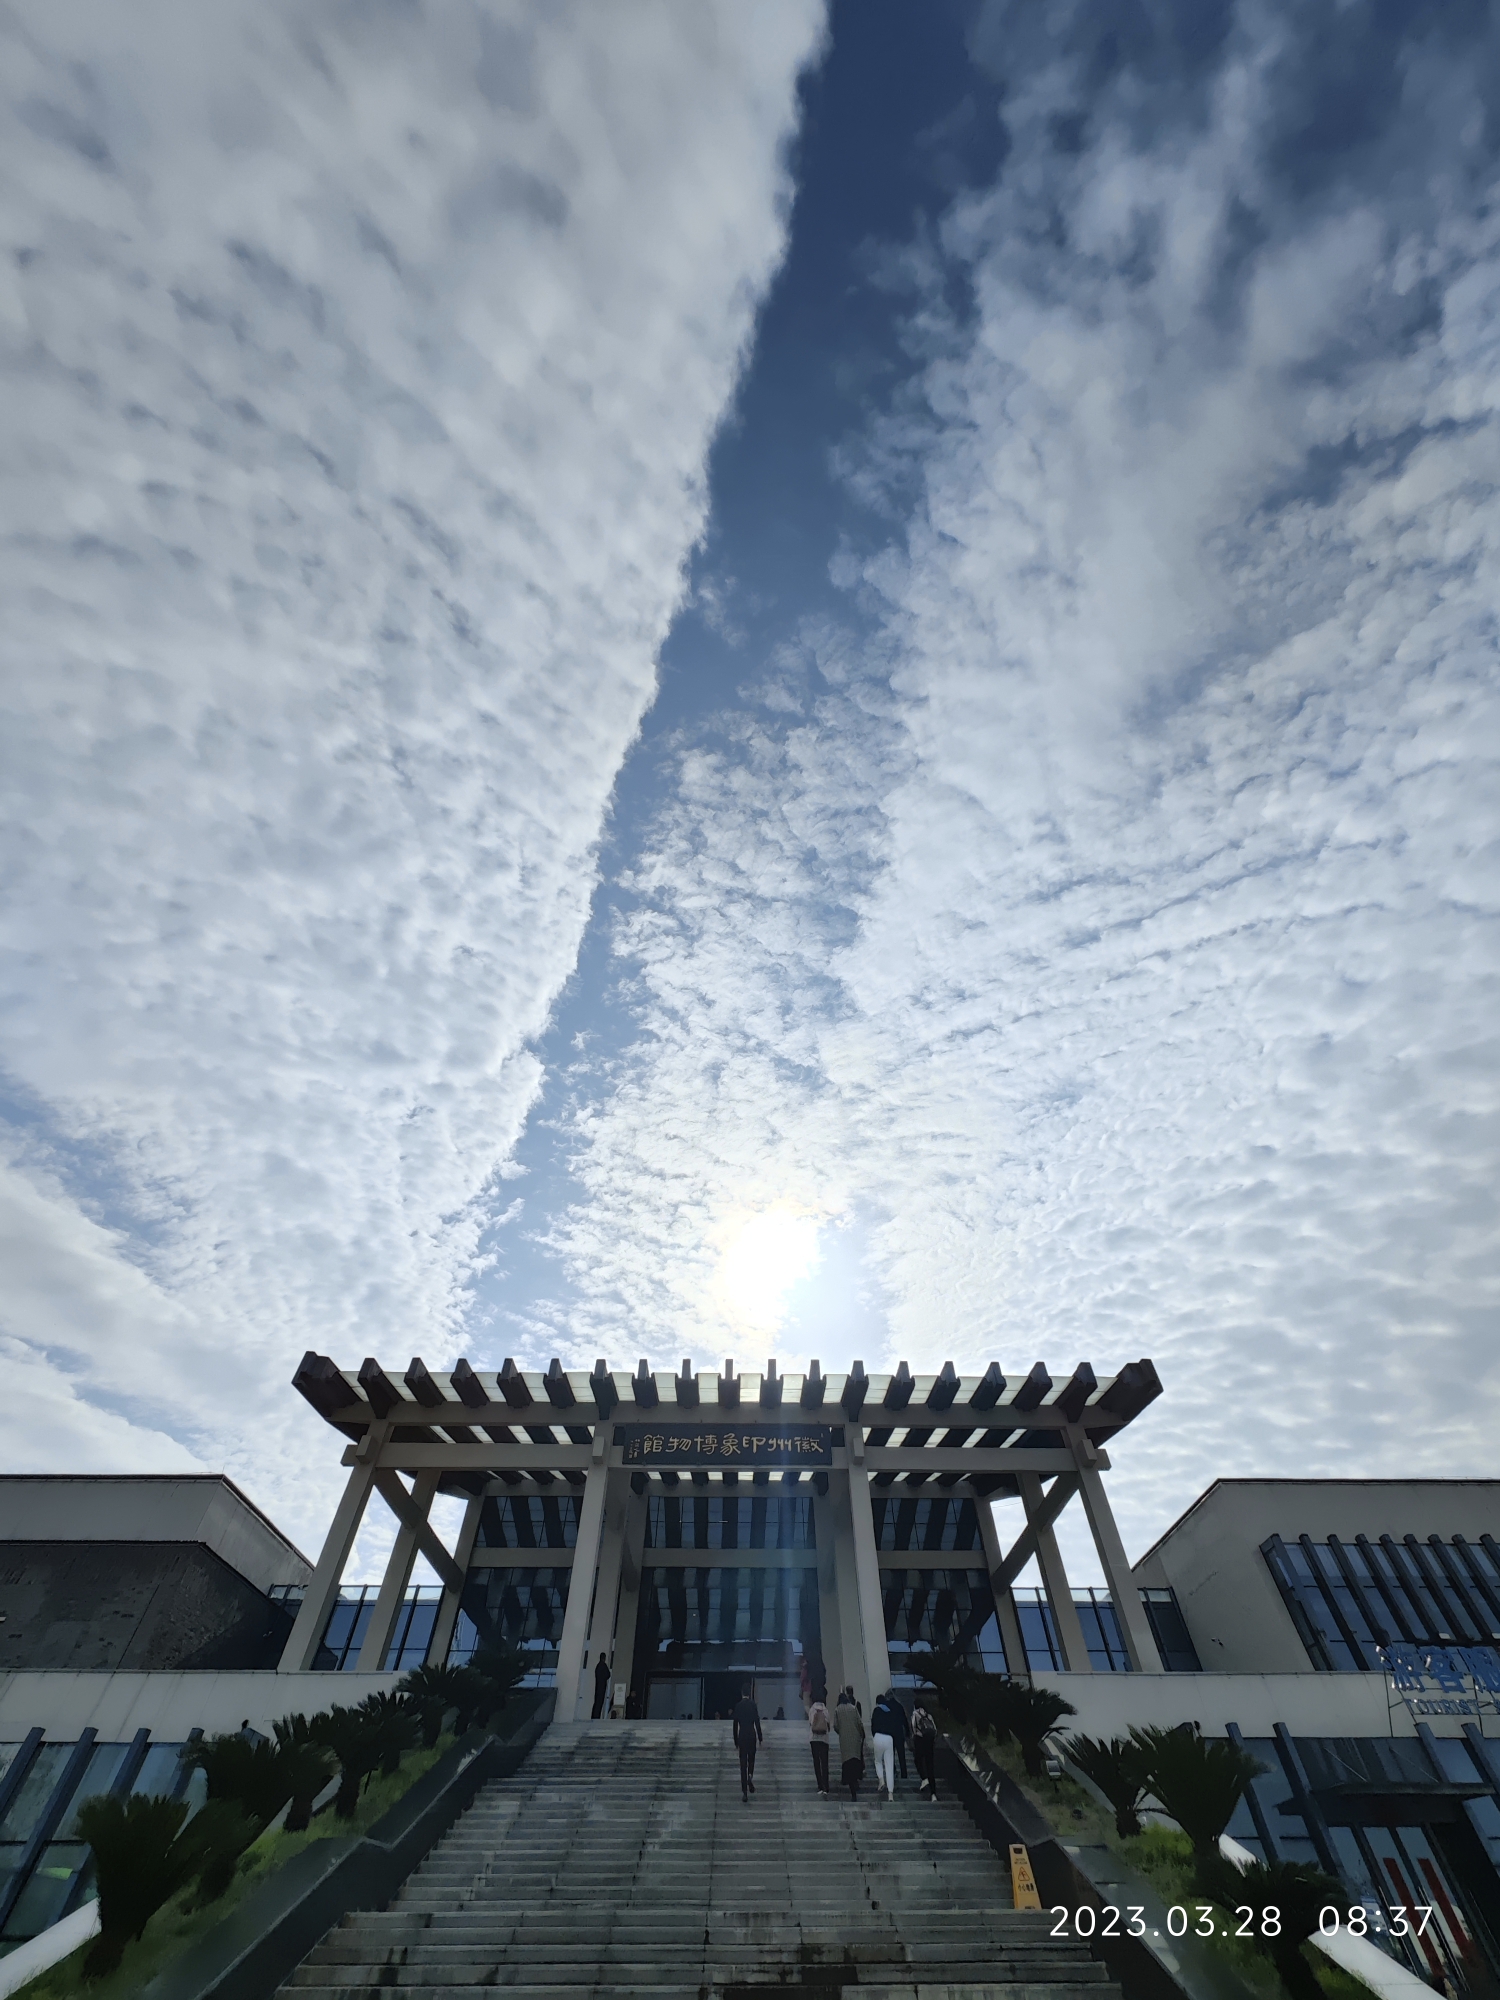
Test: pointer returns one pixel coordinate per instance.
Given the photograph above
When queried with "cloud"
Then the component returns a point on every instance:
(1117, 930)
(360, 368)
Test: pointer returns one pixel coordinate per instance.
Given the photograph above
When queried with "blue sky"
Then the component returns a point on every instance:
(729, 680)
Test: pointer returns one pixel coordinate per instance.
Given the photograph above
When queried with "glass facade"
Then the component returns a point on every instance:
(933, 1525)
(938, 1610)
(722, 1618)
(59, 1876)
(1349, 1598)
(523, 1607)
(529, 1521)
(713, 1522)
(349, 1620)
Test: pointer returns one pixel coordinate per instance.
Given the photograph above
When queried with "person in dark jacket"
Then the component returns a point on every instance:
(924, 1749)
(850, 1727)
(747, 1734)
(887, 1719)
(601, 1685)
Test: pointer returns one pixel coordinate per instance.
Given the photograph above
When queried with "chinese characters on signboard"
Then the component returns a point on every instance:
(724, 1444)
(1444, 1680)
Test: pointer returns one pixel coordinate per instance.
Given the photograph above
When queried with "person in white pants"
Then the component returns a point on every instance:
(883, 1734)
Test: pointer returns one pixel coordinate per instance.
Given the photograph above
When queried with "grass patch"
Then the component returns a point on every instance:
(177, 1925)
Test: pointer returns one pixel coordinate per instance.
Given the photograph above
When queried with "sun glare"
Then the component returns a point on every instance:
(763, 1258)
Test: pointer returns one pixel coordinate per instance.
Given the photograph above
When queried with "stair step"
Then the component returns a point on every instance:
(621, 1863)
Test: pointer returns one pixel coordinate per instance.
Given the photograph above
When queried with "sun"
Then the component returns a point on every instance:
(764, 1256)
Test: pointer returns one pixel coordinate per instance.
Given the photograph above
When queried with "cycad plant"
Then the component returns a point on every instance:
(212, 1843)
(433, 1692)
(499, 1668)
(397, 1724)
(138, 1864)
(308, 1765)
(358, 1743)
(1031, 1715)
(1118, 1768)
(252, 1775)
(1296, 1893)
(1198, 1782)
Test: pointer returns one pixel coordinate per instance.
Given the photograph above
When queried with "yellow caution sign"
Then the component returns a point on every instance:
(1023, 1893)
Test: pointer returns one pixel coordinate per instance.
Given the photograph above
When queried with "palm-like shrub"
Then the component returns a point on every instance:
(432, 1692)
(1296, 1892)
(1031, 1714)
(397, 1723)
(357, 1741)
(1198, 1782)
(211, 1845)
(138, 1864)
(1118, 1768)
(499, 1669)
(252, 1775)
(308, 1765)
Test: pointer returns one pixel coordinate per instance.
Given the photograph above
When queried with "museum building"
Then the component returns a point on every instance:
(692, 1531)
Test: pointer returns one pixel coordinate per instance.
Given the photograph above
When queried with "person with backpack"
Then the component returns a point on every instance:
(887, 1725)
(849, 1725)
(820, 1728)
(924, 1749)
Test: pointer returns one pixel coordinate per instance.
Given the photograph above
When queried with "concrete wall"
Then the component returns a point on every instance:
(1211, 1557)
(1310, 1704)
(169, 1705)
(141, 1605)
(199, 1507)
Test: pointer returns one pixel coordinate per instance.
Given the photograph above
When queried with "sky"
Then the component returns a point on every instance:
(721, 679)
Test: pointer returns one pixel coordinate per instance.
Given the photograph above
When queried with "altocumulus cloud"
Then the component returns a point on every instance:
(1113, 926)
(359, 370)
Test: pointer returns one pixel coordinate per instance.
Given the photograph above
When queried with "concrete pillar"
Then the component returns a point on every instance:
(318, 1599)
(874, 1656)
(1005, 1604)
(826, 1534)
(398, 1570)
(448, 1610)
(1055, 1580)
(581, 1584)
(632, 1571)
(606, 1595)
(1135, 1627)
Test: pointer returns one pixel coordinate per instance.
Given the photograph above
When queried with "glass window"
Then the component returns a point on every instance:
(1169, 1628)
(523, 1607)
(690, 1615)
(412, 1633)
(938, 1525)
(36, 1788)
(529, 1521)
(934, 1610)
(41, 1902)
(729, 1521)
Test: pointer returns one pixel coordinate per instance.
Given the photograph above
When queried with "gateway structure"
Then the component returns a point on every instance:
(693, 1530)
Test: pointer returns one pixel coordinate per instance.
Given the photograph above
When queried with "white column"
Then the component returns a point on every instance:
(826, 1536)
(318, 1599)
(606, 1594)
(397, 1575)
(631, 1571)
(1005, 1604)
(875, 1656)
(1055, 1580)
(1135, 1627)
(447, 1618)
(581, 1584)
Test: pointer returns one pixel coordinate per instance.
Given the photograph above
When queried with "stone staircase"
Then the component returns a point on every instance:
(621, 1860)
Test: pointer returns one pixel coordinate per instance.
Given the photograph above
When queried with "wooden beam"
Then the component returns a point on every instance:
(407, 1512)
(963, 1458)
(1057, 1496)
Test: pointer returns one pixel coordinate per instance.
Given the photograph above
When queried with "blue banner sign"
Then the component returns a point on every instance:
(725, 1444)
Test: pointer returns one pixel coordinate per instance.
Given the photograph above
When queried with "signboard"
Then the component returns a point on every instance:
(1443, 1680)
(724, 1444)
